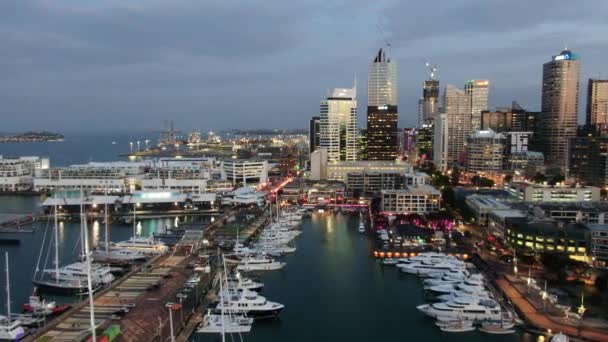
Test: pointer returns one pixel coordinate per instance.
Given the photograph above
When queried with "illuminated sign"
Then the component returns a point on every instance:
(482, 83)
(385, 107)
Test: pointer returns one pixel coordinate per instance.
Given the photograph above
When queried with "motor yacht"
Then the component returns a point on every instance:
(430, 268)
(259, 263)
(249, 303)
(241, 282)
(145, 245)
(78, 272)
(232, 323)
(471, 285)
(11, 330)
(469, 308)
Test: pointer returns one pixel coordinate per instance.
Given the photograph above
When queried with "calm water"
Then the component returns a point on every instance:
(333, 291)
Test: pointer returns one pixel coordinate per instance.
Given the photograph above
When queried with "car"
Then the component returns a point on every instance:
(506, 258)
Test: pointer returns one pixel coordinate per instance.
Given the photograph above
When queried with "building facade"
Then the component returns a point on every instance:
(314, 133)
(338, 127)
(244, 172)
(457, 108)
(486, 151)
(530, 192)
(587, 160)
(477, 91)
(440, 142)
(559, 107)
(421, 199)
(382, 112)
(597, 105)
(428, 104)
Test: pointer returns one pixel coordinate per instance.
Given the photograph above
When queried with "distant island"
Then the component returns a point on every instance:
(30, 137)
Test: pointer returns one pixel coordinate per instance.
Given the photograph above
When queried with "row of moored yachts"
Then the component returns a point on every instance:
(462, 301)
(239, 301)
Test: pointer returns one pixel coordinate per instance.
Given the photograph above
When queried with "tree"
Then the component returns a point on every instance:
(539, 178)
(455, 176)
(482, 181)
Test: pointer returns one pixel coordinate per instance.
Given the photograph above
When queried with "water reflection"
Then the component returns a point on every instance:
(95, 235)
(139, 229)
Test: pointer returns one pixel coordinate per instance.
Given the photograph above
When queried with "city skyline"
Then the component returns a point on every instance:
(73, 65)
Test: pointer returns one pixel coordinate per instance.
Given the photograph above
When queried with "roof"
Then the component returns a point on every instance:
(502, 214)
(154, 197)
(596, 227)
(88, 200)
(484, 201)
(421, 189)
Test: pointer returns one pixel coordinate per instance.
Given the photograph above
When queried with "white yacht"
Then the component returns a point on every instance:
(77, 272)
(458, 326)
(361, 227)
(144, 245)
(259, 263)
(217, 324)
(457, 294)
(471, 285)
(468, 308)
(11, 330)
(429, 268)
(559, 337)
(116, 255)
(445, 279)
(240, 282)
(249, 303)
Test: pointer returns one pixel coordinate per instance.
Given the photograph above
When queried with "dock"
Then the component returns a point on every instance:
(147, 291)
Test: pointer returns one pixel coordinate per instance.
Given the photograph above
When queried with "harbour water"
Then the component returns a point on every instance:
(334, 291)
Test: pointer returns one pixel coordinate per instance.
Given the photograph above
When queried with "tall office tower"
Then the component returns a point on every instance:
(597, 105)
(559, 107)
(314, 134)
(478, 91)
(338, 126)
(504, 119)
(382, 109)
(457, 107)
(428, 105)
(424, 143)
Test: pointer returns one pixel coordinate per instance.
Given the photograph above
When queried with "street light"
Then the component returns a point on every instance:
(137, 145)
(131, 146)
(147, 141)
(170, 307)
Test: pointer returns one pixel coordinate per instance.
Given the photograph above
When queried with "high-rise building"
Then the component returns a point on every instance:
(424, 143)
(478, 91)
(486, 151)
(587, 160)
(440, 142)
(559, 107)
(314, 133)
(504, 119)
(428, 105)
(597, 105)
(338, 128)
(457, 107)
(382, 109)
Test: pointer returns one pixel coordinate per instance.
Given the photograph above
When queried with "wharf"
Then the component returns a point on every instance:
(533, 317)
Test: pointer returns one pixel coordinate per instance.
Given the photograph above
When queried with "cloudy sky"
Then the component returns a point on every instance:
(130, 64)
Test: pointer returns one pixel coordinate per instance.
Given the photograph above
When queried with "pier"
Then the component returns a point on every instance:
(138, 302)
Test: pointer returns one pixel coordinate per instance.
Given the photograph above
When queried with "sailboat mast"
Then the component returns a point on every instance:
(87, 256)
(56, 246)
(222, 308)
(8, 292)
(134, 223)
(105, 210)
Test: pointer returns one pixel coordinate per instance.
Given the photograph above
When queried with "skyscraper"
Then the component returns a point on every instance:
(428, 105)
(559, 107)
(382, 109)
(478, 91)
(597, 105)
(457, 107)
(314, 133)
(338, 128)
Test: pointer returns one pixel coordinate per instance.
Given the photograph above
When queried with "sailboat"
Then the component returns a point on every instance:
(10, 330)
(225, 322)
(72, 278)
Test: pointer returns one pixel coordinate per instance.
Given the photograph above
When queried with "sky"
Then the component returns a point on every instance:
(93, 65)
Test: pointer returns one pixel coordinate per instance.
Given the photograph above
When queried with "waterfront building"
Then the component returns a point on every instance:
(245, 172)
(428, 105)
(339, 171)
(568, 212)
(497, 220)
(597, 105)
(559, 106)
(419, 199)
(547, 236)
(366, 182)
(314, 133)
(587, 160)
(382, 112)
(16, 174)
(457, 109)
(477, 92)
(530, 192)
(485, 151)
(482, 205)
(326, 192)
(338, 127)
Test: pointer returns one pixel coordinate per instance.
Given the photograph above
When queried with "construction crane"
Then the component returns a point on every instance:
(432, 68)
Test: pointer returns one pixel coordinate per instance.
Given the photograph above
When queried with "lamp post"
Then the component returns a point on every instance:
(131, 146)
(147, 141)
(170, 307)
(137, 145)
